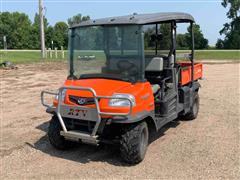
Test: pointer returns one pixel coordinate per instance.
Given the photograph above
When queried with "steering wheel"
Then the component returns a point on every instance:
(127, 67)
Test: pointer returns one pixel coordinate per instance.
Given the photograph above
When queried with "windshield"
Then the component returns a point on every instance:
(112, 52)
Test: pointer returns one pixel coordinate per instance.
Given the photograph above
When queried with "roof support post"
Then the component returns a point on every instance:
(141, 50)
(71, 52)
(156, 43)
(192, 53)
(106, 43)
(173, 38)
(122, 40)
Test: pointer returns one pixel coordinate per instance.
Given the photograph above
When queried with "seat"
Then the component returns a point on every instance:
(153, 68)
(154, 65)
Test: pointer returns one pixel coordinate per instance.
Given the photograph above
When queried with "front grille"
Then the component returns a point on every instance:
(80, 125)
(82, 100)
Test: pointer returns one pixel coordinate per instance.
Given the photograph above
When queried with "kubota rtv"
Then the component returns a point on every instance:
(124, 83)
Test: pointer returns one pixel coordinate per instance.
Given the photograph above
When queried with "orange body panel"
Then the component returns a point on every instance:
(142, 91)
(104, 87)
(186, 72)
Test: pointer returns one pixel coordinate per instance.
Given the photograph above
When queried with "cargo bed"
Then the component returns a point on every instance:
(186, 72)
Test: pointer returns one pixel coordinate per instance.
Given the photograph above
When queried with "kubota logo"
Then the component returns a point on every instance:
(81, 101)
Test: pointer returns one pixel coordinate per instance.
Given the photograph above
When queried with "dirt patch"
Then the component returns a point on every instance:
(207, 148)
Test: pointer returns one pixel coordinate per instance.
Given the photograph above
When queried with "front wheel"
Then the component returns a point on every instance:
(134, 142)
(58, 141)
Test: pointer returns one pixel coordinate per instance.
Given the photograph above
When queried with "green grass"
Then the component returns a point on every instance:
(35, 56)
(220, 55)
(19, 57)
(214, 54)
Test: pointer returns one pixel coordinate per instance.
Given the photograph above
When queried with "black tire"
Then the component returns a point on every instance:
(193, 113)
(134, 142)
(58, 141)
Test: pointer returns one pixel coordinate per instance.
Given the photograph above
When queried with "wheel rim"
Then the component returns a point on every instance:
(143, 141)
(195, 108)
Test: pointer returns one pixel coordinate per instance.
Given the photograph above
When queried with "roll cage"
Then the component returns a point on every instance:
(146, 19)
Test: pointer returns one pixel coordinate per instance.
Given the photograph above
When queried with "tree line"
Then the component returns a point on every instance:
(21, 33)
(183, 41)
(231, 30)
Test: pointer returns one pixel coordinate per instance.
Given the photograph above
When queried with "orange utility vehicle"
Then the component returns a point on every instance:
(124, 83)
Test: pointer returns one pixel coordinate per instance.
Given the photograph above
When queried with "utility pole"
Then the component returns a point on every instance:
(42, 36)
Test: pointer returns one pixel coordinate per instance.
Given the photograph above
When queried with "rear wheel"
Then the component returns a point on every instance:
(134, 142)
(193, 113)
(54, 136)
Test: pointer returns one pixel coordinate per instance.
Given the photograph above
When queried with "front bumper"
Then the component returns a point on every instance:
(117, 119)
(95, 115)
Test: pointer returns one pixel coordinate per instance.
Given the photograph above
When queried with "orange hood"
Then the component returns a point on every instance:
(102, 87)
(107, 87)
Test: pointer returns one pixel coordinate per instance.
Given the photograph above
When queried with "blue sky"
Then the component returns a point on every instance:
(208, 13)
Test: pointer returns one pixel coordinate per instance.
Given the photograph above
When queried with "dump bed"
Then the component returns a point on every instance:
(186, 72)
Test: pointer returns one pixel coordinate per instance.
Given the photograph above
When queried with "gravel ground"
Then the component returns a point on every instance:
(206, 148)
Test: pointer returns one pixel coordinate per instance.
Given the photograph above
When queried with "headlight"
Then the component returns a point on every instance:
(122, 102)
(63, 95)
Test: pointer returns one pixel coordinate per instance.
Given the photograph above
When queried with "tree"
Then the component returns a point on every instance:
(57, 34)
(199, 41)
(231, 30)
(35, 32)
(181, 41)
(220, 44)
(49, 34)
(21, 33)
(60, 35)
(77, 19)
(165, 42)
(233, 12)
(148, 44)
(17, 28)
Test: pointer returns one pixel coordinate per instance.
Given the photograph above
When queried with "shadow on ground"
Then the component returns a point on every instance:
(84, 153)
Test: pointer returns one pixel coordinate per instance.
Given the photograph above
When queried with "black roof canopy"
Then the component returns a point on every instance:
(139, 19)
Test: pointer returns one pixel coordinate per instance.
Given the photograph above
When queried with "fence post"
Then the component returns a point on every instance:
(62, 52)
(46, 53)
(50, 52)
(56, 53)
